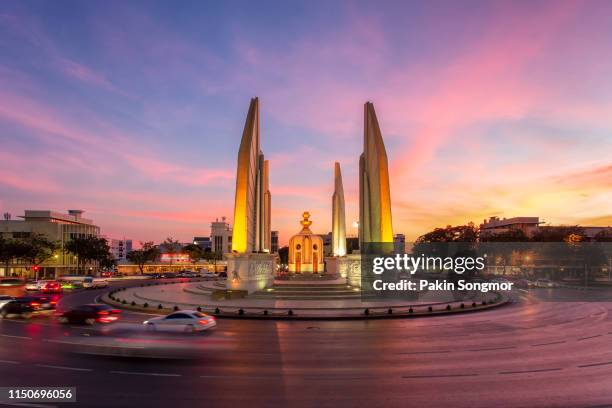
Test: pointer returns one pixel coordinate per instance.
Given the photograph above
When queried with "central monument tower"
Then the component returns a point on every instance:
(250, 266)
(374, 192)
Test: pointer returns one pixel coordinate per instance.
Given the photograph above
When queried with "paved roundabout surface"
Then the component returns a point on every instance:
(530, 353)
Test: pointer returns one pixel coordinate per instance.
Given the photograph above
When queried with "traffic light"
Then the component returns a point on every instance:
(35, 268)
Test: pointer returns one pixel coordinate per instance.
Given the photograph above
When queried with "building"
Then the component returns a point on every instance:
(221, 236)
(120, 248)
(203, 242)
(496, 225)
(306, 250)
(56, 227)
(274, 242)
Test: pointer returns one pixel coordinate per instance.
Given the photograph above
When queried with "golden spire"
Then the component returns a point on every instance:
(306, 223)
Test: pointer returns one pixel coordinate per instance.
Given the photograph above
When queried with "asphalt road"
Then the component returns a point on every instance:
(531, 353)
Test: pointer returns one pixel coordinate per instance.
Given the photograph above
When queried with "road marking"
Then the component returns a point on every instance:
(63, 367)
(541, 370)
(590, 337)
(594, 364)
(16, 337)
(141, 373)
(244, 377)
(494, 348)
(440, 375)
(425, 352)
(548, 344)
(9, 362)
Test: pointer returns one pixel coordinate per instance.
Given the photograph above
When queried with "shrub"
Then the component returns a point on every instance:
(390, 311)
(160, 306)
(448, 307)
(430, 309)
(290, 312)
(217, 311)
(366, 312)
(145, 305)
(241, 311)
(176, 308)
(410, 310)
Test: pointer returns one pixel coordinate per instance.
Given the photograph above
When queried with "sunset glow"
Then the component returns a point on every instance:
(135, 114)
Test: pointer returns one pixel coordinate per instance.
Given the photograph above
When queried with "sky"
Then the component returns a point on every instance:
(133, 110)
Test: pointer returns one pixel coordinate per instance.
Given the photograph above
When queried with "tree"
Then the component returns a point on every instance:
(460, 233)
(88, 249)
(567, 234)
(605, 235)
(210, 255)
(171, 246)
(195, 252)
(512, 235)
(148, 252)
(37, 249)
(10, 249)
(283, 254)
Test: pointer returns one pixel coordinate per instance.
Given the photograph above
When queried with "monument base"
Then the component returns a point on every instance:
(336, 266)
(353, 270)
(250, 272)
(347, 267)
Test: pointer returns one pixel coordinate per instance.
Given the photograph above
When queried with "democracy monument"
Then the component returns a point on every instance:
(251, 267)
(316, 286)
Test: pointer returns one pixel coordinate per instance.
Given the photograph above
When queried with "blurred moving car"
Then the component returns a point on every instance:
(28, 306)
(208, 274)
(12, 287)
(186, 274)
(4, 299)
(544, 283)
(90, 314)
(106, 274)
(93, 283)
(34, 284)
(189, 321)
(51, 287)
(223, 274)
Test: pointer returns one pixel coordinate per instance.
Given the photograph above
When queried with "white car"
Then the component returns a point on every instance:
(92, 283)
(189, 321)
(208, 274)
(34, 285)
(4, 299)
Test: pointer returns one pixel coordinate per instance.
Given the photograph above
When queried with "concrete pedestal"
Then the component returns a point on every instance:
(347, 267)
(353, 270)
(336, 266)
(250, 272)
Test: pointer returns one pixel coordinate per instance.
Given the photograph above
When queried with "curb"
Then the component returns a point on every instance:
(289, 314)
